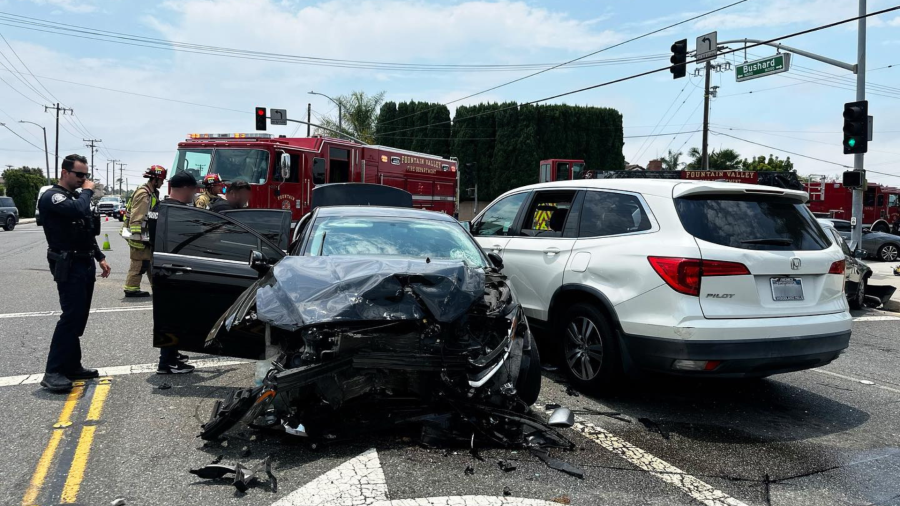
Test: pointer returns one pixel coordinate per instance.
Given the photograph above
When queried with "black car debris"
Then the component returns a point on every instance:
(368, 317)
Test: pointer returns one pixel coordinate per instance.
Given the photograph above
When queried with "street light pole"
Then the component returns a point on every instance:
(46, 153)
(857, 211)
(338, 104)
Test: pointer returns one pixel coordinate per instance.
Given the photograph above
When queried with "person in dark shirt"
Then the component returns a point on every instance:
(237, 197)
(71, 231)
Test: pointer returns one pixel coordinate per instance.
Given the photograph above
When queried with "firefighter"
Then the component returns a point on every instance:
(212, 191)
(71, 232)
(136, 231)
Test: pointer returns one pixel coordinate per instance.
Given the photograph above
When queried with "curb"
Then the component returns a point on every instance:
(25, 221)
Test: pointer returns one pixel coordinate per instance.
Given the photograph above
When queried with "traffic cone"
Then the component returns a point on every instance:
(107, 218)
(106, 242)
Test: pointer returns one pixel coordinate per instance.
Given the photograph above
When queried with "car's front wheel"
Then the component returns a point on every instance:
(888, 252)
(10, 224)
(590, 352)
(859, 298)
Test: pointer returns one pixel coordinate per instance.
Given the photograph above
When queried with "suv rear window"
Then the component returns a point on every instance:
(7, 202)
(751, 222)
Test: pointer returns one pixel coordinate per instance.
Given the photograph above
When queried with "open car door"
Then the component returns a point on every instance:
(201, 264)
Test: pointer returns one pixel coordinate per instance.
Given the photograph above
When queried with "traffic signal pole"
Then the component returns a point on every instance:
(858, 158)
(705, 156)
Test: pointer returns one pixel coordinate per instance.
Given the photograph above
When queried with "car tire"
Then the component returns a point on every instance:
(528, 384)
(859, 298)
(888, 252)
(10, 224)
(590, 351)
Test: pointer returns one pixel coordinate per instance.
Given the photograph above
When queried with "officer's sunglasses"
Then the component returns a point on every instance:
(80, 174)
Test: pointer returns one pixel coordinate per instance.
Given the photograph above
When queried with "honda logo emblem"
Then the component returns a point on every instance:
(795, 264)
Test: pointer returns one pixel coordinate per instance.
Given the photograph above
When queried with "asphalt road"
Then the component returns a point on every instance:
(829, 436)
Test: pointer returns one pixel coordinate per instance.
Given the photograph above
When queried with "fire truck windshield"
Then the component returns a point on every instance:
(251, 165)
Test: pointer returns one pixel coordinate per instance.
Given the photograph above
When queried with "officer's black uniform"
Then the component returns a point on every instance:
(72, 249)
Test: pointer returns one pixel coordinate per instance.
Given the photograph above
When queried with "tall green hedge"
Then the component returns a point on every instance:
(506, 142)
(23, 185)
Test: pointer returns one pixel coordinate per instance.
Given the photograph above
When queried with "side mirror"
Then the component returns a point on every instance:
(285, 166)
(466, 225)
(318, 171)
(496, 259)
(258, 263)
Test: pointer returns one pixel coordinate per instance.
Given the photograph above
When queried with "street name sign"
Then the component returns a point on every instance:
(761, 68)
(707, 47)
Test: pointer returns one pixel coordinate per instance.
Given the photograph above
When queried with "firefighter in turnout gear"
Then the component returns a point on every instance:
(211, 193)
(137, 232)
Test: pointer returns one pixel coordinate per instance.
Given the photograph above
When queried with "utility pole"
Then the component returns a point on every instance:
(858, 158)
(58, 109)
(704, 165)
(46, 153)
(120, 175)
(92, 143)
(109, 181)
(308, 118)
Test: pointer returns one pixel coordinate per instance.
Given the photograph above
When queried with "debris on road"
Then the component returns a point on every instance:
(506, 466)
(654, 427)
(469, 471)
(507, 492)
(164, 386)
(572, 392)
(557, 464)
(119, 501)
(562, 417)
(244, 477)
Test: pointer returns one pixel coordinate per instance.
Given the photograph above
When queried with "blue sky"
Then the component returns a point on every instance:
(785, 112)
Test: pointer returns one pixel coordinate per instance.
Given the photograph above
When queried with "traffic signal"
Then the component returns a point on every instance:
(261, 118)
(679, 56)
(853, 179)
(856, 127)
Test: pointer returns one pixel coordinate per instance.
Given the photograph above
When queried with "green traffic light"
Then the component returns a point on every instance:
(851, 142)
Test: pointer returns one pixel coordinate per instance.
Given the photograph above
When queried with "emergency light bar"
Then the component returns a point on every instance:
(230, 136)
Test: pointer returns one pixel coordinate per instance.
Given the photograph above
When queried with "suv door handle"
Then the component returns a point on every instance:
(176, 268)
(551, 251)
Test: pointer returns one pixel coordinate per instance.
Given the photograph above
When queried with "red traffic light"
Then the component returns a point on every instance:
(261, 118)
(260, 111)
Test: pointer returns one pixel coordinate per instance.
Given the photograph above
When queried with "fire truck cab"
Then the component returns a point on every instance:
(830, 199)
(282, 171)
(559, 169)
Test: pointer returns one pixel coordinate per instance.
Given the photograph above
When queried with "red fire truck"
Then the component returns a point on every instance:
(830, 199)
(282, 171)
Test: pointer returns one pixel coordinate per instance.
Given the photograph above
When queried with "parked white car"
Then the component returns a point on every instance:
(699, 277)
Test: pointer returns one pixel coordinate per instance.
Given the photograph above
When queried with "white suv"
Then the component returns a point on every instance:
(698, 277)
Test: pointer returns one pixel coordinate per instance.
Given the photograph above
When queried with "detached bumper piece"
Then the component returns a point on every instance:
(243, 477)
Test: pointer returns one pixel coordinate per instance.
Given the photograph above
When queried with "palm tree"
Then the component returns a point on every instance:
(359, 116)
(672, 160)
(726, 159)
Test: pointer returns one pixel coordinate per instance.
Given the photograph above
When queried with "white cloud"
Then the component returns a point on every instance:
(894, 22)
(69, 5)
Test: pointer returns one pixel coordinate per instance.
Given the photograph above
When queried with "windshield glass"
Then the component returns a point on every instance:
(109, 199)
(251, 165)
(393, 237)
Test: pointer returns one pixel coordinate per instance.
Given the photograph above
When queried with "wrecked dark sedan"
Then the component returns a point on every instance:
(381, 306)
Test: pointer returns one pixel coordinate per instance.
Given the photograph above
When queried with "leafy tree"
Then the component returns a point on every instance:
(672, 160)
(725, 159)
(773, 163)
(23, 185)
(359, 115)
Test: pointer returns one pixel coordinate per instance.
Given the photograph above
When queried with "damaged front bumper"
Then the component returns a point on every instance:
(345, 333)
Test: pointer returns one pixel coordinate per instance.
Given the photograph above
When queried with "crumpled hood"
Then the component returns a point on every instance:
(304, 290)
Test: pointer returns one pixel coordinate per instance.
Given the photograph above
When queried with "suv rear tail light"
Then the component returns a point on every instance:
(683, 274)
(838, 267)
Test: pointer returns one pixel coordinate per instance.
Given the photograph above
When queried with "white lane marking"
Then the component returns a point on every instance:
(121, 370)
(876, 319)
(856, 380)
(694, 487)
(360, 481)
(97, 310)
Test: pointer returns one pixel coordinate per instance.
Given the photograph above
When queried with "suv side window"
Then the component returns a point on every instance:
(607, 213)
(497, 219)
(546, 217)
(7, 202)
(204, 234)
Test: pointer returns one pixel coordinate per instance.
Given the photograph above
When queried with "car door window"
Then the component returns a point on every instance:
(842, 226)
(608, 213)
(547, 214)
(499, 217)
(204, 234)
(840, 242)
(273, 224)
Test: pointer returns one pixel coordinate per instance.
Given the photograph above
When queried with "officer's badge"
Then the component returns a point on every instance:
(58, 198)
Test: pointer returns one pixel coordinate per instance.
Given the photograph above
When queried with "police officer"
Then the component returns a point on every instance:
(136, 232)
(72, 249)
(211, 193)
(182, 187)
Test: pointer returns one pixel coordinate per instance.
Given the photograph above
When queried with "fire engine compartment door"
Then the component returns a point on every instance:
(338, 165)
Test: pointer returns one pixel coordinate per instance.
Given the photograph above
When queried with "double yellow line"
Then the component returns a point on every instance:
(79, 462)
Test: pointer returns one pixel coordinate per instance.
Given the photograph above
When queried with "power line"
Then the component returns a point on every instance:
(654, 71)
(19, 136)
(801, 139)
(800, 83)
(690, 116)
(783, 150)
(573, 60)
(641, 147)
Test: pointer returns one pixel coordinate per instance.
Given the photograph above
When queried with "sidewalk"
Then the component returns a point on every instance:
(883, 274)
(25, 221)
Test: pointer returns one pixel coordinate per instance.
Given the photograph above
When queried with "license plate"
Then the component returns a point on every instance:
(787, 289)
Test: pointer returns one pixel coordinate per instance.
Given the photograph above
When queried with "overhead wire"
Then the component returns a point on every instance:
(640, 149)
(573, 60)
(781, 150)
(653, 71)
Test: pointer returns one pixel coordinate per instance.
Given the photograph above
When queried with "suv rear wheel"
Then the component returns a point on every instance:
(590, 353)
(10, 224)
